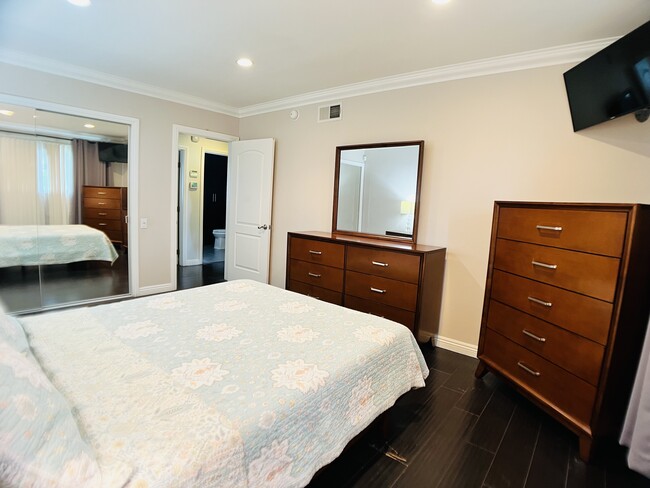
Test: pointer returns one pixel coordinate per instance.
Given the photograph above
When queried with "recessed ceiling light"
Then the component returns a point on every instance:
(244, 62)
(8, 113)
(80, 3)
(89, 126)
(437, 2)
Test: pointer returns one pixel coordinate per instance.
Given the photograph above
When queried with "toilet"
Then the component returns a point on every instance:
(219, 243)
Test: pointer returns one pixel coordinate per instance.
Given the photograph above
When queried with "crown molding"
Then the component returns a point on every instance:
(570, 53)
(100, 78)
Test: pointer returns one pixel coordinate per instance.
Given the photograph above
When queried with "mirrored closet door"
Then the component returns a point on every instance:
(63, 209)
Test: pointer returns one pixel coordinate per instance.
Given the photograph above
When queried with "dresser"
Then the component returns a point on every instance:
(566, 308)
(398, 281)
(105, 208)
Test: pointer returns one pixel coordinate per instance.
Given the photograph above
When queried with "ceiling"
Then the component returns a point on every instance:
(188, 49)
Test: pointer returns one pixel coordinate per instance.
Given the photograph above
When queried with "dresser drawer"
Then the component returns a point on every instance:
(569, 351)
(103, 213)
(399, 315)
(600, 232)
(102, 203)
(316, 274)
(389, 264)
(313, 251)
(577, 313)
(544, 380)
(104, 224)
(99, 192)
(589, 274)
(383, 290)
(114, 235)
(331, 296)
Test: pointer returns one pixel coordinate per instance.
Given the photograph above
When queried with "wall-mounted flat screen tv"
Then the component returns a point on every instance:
(612, 82)
(110, 152)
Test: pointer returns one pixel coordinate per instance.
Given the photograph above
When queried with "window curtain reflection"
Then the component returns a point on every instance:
(89, 170)
(55, 183)
(18, 199)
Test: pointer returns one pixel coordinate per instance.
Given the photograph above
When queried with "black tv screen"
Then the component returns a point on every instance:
(110, 152)
(612, 82)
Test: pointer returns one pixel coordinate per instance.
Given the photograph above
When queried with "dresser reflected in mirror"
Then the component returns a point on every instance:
(63, 209)
(376, 190)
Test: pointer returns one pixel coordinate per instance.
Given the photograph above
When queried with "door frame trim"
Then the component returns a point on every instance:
(177, 129)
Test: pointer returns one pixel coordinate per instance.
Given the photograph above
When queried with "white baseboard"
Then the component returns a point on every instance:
(451, 344)
(152, 290)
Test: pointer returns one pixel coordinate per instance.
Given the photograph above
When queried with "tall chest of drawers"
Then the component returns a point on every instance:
(105, 208)
(401, 282)
(566, 308)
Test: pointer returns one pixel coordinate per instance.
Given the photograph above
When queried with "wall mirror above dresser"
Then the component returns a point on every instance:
(63, 208)
(377, 190)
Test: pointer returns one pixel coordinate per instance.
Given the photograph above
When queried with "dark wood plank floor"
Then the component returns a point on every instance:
(465, 433)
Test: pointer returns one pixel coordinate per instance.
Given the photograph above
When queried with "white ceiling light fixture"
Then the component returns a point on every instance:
(8, 113)
(80, 3)
(244, 62)
(440, 2)
(89, 126)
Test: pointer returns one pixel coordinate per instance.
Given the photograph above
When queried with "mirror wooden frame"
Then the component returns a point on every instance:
(416, 209)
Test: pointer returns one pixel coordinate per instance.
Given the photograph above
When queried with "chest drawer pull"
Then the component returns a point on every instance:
(383, 265)
(377, 290)
(536, 337)
(544, 265)
(549, 227)
(528, 370)
(101, 224)
(314, 275)
(318, 253)
(101, 193)
(102, 214)
(101, 203)
(540, 302)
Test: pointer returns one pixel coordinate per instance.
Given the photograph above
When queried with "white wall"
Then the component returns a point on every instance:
(156, 117)
(498, 137)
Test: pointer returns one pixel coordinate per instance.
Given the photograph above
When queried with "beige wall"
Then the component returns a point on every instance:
(499, 137)
(155, 150)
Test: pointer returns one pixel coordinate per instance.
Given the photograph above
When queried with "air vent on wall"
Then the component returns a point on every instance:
(329, 112)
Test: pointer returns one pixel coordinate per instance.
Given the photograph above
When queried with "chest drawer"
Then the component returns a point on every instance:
(102, 203)
(316, 274)
(319, 252)
(395, 314)
(577, 313)
(553, 385)
(100, 192)
(388, 264)
(589, 274)
(331, 296)
(600, 232)
(103, 224)
(572, 352)
(103, 213)
(383, 290)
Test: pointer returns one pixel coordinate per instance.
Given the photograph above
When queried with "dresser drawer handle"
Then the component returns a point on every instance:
(101, 224)
(314, 275)
(102, 214)
(383, 265)
(101, 193)
(317, 253)
(554, 228)
(540, 302)
(544, 265)
(377, 290)
(536, 337)
(528, 370)
(101, 203)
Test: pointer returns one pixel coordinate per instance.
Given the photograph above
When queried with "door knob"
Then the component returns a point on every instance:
(263, 227)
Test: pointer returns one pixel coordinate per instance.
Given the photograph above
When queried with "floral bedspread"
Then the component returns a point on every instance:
(32, 245)
(238, 384)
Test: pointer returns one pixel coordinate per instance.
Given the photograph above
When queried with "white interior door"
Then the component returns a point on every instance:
(248, 214)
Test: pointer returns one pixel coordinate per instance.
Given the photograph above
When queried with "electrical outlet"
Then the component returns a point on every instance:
(144, 223)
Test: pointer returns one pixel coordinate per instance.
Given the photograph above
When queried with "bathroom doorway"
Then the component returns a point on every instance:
(215, 177)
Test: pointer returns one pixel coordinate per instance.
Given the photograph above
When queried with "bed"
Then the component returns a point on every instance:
(238, 384)
(33, 245)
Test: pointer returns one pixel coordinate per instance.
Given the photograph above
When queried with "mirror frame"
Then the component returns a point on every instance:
(416, 210)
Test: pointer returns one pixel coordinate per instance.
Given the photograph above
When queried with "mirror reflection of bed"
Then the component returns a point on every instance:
(52, 251)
